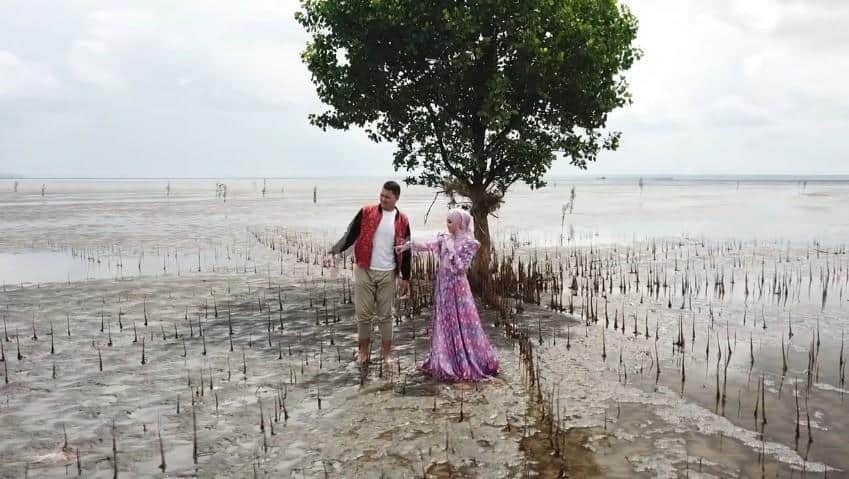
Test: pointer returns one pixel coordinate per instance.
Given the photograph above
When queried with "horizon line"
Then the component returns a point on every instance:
(667, 176)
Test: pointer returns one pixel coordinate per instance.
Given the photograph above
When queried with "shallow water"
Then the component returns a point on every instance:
(614, 210)
(92, 255)
(750, 327)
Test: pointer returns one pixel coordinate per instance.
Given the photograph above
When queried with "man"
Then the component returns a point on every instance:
(374, 232)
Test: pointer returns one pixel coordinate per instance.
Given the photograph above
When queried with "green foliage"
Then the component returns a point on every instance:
(477, 94)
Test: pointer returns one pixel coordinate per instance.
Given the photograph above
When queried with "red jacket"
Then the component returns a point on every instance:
(361, 233)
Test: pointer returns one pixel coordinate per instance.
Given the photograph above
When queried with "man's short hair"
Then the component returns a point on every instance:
(394, 187)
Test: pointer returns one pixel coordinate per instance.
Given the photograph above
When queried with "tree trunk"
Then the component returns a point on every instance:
(480, 269)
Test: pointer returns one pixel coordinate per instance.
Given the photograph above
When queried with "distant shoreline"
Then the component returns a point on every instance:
(749, 178)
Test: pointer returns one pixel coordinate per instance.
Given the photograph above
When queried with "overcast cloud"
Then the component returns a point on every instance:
(217, 88)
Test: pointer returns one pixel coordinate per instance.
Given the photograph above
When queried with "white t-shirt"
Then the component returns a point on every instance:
(383, 248)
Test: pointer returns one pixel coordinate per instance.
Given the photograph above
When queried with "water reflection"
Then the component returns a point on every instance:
(30, 268)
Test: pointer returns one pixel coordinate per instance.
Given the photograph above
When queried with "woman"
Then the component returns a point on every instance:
(459, 347)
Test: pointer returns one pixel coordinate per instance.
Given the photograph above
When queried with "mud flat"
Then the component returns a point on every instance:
(182, 334)
(279, 395)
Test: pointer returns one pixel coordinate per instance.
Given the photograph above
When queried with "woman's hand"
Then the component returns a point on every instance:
(448, 242)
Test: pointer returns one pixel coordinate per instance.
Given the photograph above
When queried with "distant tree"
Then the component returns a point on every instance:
(476, 95)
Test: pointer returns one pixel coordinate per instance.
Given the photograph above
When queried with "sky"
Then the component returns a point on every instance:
(210, 88)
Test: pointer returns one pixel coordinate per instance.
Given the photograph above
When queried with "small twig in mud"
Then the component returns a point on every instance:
(421, 463)
(808, 419)
(796, 395)
(244, 364)
(318, 397)
(783, 357)
(230, 320)
(161, 444)
(5, 365)
(18, 343)
(841, 363)
(461, 407)
(262, 428)
(763, 401)
(114, 452)
(603, 346)
(751, 353)
(194, 433)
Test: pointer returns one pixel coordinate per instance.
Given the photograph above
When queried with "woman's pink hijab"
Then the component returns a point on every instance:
(463, 220)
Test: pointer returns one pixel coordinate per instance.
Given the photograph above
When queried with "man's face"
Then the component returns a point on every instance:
(387, 200)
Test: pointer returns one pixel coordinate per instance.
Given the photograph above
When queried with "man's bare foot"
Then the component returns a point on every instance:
(391, 363)
(362, 358)
(363, 352)
(386, 350)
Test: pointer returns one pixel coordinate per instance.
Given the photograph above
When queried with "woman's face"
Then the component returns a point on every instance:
(452, 226)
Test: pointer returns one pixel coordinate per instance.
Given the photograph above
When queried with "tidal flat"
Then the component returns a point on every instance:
(159, 329)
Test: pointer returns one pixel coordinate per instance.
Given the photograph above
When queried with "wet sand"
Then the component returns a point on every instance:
(98, 262)
(387, 424)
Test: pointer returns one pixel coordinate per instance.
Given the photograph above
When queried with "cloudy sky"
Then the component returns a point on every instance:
(216, 88)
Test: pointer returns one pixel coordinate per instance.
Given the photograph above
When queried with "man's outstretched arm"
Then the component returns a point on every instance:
(350, 235)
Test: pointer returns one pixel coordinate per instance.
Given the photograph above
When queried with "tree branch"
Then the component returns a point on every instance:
(444, 152)
(431, 204)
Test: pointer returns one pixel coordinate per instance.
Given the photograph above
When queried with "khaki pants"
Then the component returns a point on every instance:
(374, 294)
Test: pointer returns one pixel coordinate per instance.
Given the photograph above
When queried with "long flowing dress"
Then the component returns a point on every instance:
(459, 347)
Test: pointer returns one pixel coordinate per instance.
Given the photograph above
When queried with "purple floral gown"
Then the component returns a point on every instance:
(459, 347)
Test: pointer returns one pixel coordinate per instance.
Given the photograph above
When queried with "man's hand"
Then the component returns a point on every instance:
(329, 260)
(403, 288)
